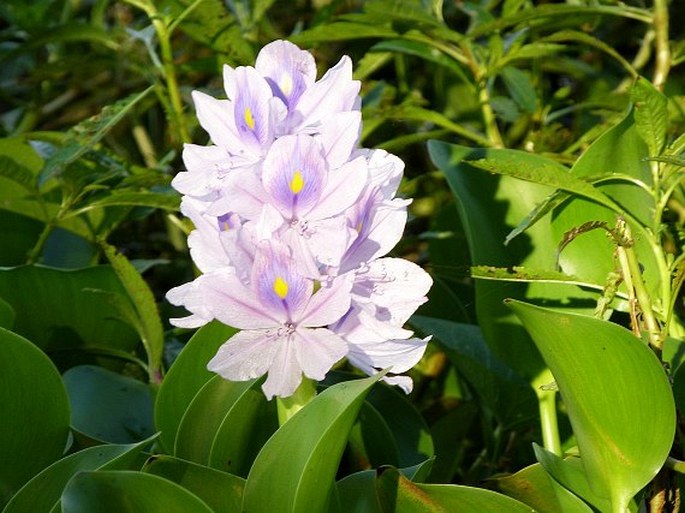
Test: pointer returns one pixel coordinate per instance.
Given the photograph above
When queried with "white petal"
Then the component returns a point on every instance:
(216, 117)
(246, 355)
(317, 351)
(285, 373)
(398, 355)
(235, 304)
(328, 304)
(343, 188)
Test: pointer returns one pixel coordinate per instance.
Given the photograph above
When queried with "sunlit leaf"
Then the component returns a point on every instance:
(295, 470)
(614, 389)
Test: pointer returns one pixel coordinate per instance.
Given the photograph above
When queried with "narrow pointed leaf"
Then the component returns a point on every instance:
(295, 470)
(186, 377)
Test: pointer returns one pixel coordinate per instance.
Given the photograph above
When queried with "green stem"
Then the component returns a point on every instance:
(663, 52)
(164, 36)
(489, 120)
(37, 249)
(289, 406)
(675, 464)
(633, 277)
(547, 406)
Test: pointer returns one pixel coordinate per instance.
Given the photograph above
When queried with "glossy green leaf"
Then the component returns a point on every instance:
(356, 493)
(617, 395)
(186, 377)
(35, 411)
(397, 494)
(295, 470)
(19, 235)
(107, 406)
(570, 473)
(505, 393)
(651, 115)
(128, 492)
(225, 425)
(42, 493)
(533, 486)
(221, 491)
(55, 310)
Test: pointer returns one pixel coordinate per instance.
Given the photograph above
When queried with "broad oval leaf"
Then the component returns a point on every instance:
(35, 412)
(55, 310)
(107, 406)
(618, 397)
(185, 378)
(42, 493)
(116, 491)
(295, 470)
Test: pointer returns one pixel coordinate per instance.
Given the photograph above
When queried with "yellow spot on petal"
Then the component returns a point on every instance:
(286, 84)
(280, 287)
(249, 120)
(297, 183)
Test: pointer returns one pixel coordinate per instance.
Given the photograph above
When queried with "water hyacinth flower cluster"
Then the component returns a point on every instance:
(293, 222)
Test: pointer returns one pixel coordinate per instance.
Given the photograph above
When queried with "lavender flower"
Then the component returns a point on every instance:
(292, 224)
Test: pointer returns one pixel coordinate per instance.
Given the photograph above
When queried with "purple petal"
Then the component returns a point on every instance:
(340, 135)
(278, 286)
(234, 304)
(253, 115)
(294, 173)
(342, 189)
(288, 70)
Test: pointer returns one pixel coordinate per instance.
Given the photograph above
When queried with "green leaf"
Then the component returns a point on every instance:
(7, 315)
(225, 425)
(127, 492)
(614, 388)
(55, 311)
(490, 207)
(43, 492)
(127, 198)
(342, 31)
(107, 406)
(507, 396)
(222, 492)
(399, 495)
(151, 332)
(295, 470)
(35, 410)
(651, 115)
(84, 136)
(620, 150)
(548, 175)
(186, 377)
(570, 474)
(520, 88)
(356, 493)
(533, 486)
